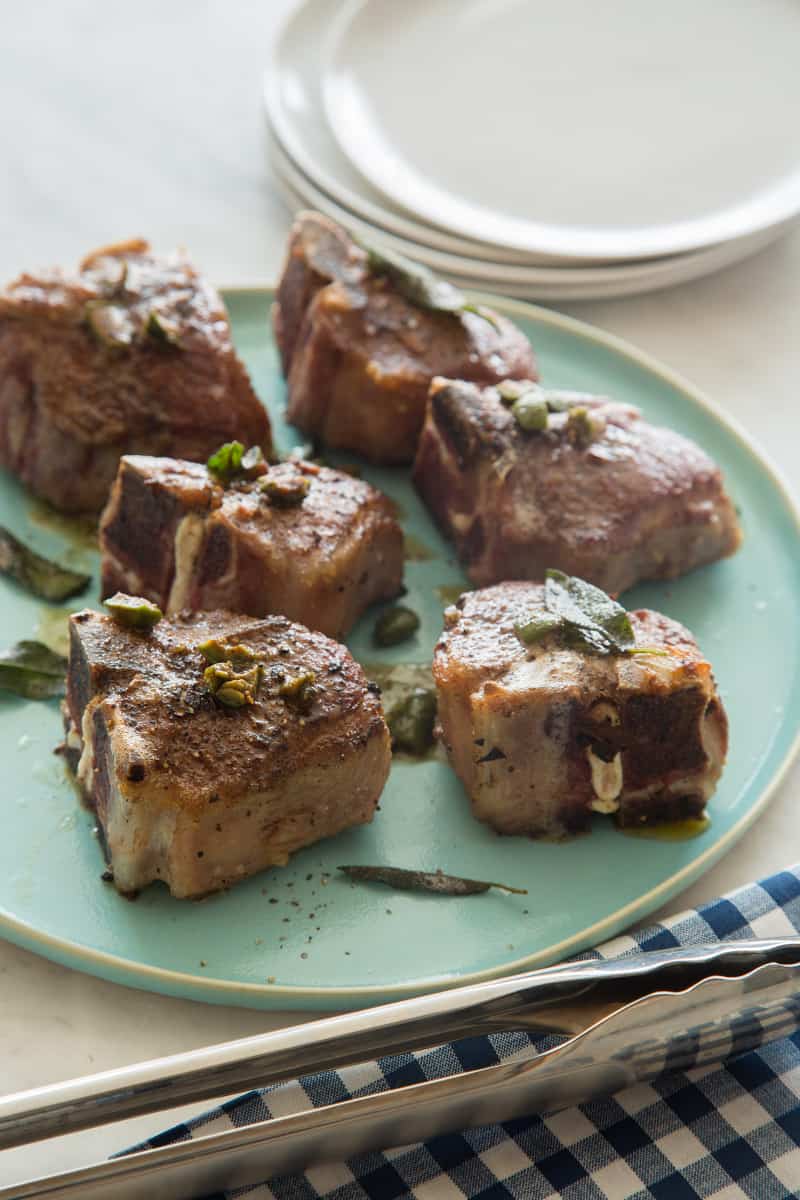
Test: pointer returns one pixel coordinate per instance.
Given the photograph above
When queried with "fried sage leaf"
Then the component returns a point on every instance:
(421, 287)
(588, 612)
(38, 575)
(426, 881)
(32, 670)
(580, 615)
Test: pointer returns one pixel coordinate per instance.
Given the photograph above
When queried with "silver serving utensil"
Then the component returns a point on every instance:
(628, 1020)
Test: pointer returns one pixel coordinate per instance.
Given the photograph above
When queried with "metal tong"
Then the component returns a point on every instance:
(626, 1020)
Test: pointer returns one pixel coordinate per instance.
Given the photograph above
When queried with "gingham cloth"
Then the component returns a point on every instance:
(721, 1132)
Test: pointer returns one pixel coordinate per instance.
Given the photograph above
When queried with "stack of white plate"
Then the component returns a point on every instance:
(550, 150)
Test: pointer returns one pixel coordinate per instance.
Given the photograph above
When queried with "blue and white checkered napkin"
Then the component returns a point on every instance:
(713, 1132)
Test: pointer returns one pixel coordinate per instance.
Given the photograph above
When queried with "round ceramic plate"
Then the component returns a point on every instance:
(302, 936)
(540, 283)
(296, 115)
(610, 131)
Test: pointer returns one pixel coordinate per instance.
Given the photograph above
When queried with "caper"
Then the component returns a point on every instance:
(530, 412)
(283, 492)
(395, 625)
(512, 389)
(133, 611)
(581, 428)
(411, 721)
(299, 692)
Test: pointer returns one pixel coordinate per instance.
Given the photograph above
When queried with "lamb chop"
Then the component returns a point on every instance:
(131, 353)
(362, 335)
(307, 541)
(522, 479)
(213, 745)
(548, 718)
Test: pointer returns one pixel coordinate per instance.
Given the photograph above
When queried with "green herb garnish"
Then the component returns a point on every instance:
(299, 692)
(285, 492)
(536, 628)
(411, 721)
(32, 670)
(426, 881)
(133, 611)
(232, 461)
(421, 287)
(162, 331)
(582, 615)
(36, 574)
(232, 688)
(111, 324)
(395, 625)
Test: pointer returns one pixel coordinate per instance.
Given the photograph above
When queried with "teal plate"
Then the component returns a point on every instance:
(303, 937)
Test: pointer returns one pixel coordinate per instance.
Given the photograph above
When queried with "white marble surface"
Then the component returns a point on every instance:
(118, 119)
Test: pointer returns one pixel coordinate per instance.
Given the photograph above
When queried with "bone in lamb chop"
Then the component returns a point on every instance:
(554, 704)
(132, 353)
(213, 745)
(307, 541)
(522, 478)
(362, 335)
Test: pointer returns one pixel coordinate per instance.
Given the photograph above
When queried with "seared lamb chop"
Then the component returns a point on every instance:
(360, 354)
(596, 491)
(131, 353)
(544, 734)
(196, 792)
(307, 541)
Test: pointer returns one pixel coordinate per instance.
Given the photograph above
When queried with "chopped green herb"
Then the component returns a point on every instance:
(426, 881)
(226, 462)
(162, 331)
(530, 412)
(111, 324)
(285, 492)
(411, 721)
(232, 688)
(32, 670)
(299, 692)
(38, 575)
(395, 625)
(133, 611)
(422, 287)
(232, 461)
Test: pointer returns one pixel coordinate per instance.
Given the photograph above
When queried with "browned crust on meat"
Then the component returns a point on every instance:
(638, 502)
(360, 357)
(321, 562)
(517, 720)
(197, 751)
(70, 405)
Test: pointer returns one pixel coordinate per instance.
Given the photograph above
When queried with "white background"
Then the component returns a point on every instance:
(118, 119)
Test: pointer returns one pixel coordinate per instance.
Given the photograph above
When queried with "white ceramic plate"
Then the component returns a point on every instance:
(297, 118)
(618, 130)
(541, 283)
